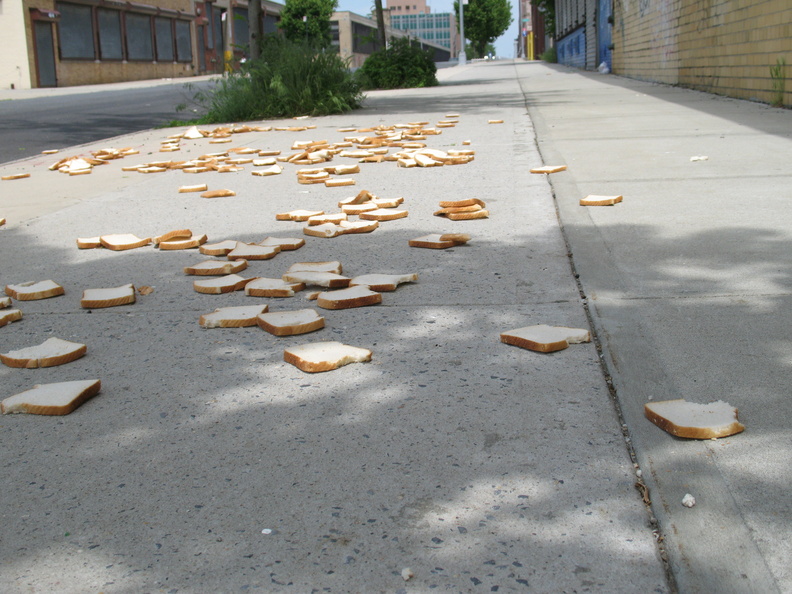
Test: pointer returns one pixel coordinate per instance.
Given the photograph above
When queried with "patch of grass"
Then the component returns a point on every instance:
(549, 55)
(290, 79)
(778, 82)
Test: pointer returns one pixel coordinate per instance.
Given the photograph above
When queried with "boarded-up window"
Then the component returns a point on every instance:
(138, 33)
(183, 42)
(110, 46)
(75, 32)
(241, 29)
(163, 29)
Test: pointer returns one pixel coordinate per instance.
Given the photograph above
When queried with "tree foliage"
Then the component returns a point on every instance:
(308, 20)
(547, 8)
(403, 64)
(485, 21)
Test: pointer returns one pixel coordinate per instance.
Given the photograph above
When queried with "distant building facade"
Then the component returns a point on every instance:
(400, 7)
(417, 20)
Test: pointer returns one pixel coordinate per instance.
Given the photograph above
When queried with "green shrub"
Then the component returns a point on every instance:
(549, 55)
(401, 65)
(289, 79)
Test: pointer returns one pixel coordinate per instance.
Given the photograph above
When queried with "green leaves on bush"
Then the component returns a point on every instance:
(289, 79)
(401, 65)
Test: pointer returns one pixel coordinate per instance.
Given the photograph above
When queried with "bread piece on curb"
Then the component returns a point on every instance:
(272, 287)
(359, 296)
(284, 243)
(291, 323)
(216, 267)
(545, 339)
(9, 315)
(692, 420)
(549, 169)
(183, 244)
(329, 266)
(382, 282)
(594, 200)
(59, 398)
(15, 176)
(222, 284)
(221, 248)
(34, 290)
(98, 298)
(317, 357)
(123, 241)
(51, 352)
(329, 280)
(251, 251)
(88, 243)
(232, 317)
(433, 241)
(218, 194)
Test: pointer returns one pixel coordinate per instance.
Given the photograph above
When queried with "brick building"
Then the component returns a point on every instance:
(727, 47)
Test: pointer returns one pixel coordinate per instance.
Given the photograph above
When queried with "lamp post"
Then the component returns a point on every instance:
(462, 56)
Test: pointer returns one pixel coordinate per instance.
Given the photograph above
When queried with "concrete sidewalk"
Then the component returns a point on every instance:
(688, 285)
(209, 464)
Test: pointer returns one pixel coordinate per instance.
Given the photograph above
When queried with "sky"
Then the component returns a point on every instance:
(504, 45)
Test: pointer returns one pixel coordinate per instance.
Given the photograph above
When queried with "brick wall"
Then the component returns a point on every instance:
(720, 46)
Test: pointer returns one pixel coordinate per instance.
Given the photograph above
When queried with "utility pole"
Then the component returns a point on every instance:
(254, 28)
(383, 38)
(462, 56)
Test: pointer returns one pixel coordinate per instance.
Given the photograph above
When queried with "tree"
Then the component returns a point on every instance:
(380, 22)
(485, 21)
(254, 29)
(308, 20)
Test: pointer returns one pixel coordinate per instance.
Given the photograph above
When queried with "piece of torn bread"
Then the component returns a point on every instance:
(216, 267)
(89, 243)
(328, 266)
(33, 290)
(252, 251)
(222, 284)
(549, 169)
(545, 339)
(173, 236)
(221, 248)
(272, 287)
(10, 315)
(384, 214)
(595, 200)
(5, 302)
(241, 316)
(123, 241)
(193, 241)
(330, 280)
(51, 352)
(692, 420)
(383, 282)
(284, 243)
(60, 398)
(317, 357)
(438, 241)
(359, 296)
(291, 323)
(297, 215)
(98, 298)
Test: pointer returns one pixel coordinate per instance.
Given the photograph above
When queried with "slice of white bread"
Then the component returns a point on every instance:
(439, 241)
(216, 267)
(272, 287)
(325, 230)
(693, 420)
(383, 282)
(330, 280)
(290, 323)
(284, 243)
(362, 196)
(457, 209)
(356, 209)
(329, 266)
(221, 248)
(272, 170)
(594, 200)
(468, 216)
(5, 302)
(461, 203)
(232, 317)
(387, 202)
(359, 296)
(98, 298)
(324, 356)
(183, 244)
(88, 243)
(222, 284)
(297, 215)
(52, 399)
(123, 241)
(252, 251)
(34, 290)
(220, 193)
(335, 217)
(384, 214)
(549, 169)
(173, 236)
(545, 339)
(193, 188)
(51, 352)
(358, 226)
(9, 315)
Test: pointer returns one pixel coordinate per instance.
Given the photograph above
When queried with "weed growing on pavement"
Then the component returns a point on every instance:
(778, 82)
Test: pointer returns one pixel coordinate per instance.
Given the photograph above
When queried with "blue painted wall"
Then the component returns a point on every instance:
(571, 50)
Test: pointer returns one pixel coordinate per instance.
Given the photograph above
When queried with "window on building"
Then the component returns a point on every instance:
(111, 46)
(76, 32)
(183, 41)
(138, 35)
(163, 34)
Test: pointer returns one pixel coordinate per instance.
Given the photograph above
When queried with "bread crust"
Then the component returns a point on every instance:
(339, 299)
(29, 359)
(83, 392)
(99, 302)
(690, 431)
(268, 322)
(21, 292)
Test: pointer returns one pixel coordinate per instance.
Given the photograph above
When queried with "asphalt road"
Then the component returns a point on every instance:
(29, 126)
